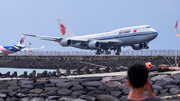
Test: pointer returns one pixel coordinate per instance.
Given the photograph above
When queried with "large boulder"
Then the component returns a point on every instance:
(115, 93)
(32, 95)
(88, 89)
(50, 89)
(6, 90)
(24, 99)
(160, 82)
(112, 89)
(3, 95)
(77, 80)
(105, 97)
(49, 85)
(174, 91)
(77, 88)
(97, 92)
(14, 87)
(41, 82)
(67, 84)
(43, 95)
(123, 86)
(12, 94)
(58, 80)
(163, 91)
(157, 87)
(88, 98)
(105, 79)
(158, 77)
(64, 91)
(25, 82)
(24, 90)
(78, 93)
(93, 83)
(118, 78)
(11, 82)
(50, 98)
(21, 95)
(69, 98)
(126, 91)
(171, 86)
(176, 76)
(37, 99)
(4, 86)
(113, 83)
(35, 91)
(173, 82)
(167, 79)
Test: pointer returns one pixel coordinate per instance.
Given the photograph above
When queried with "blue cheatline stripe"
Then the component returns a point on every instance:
(121, 35)
(11, 48)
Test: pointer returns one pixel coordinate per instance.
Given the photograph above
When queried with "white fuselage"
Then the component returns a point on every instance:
(122, 37)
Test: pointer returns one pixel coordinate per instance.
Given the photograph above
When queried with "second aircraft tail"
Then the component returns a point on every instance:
(21, 42)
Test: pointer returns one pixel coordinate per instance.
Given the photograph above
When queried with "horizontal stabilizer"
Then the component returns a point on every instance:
(32, 48)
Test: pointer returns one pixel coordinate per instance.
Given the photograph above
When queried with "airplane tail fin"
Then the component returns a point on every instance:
(65, 31)
(21, 42)
(176, 29)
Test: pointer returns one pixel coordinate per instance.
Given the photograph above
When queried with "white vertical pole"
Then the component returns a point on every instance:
(29, 48)
(176, 52)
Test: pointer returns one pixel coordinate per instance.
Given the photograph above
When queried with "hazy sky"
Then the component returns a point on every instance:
(87, 17)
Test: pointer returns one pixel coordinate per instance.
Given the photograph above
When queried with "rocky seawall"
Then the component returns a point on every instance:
(75, 62)
(109, 88)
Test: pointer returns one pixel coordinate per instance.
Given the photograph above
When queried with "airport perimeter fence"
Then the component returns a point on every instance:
(93, 53)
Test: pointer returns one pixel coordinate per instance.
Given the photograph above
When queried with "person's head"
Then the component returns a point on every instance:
(138, 75)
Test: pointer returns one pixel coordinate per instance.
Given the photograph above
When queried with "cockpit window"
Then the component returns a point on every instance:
(148, 27)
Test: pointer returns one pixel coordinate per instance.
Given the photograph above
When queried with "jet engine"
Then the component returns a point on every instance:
(138, 46)
(65, 42)
(94, 45)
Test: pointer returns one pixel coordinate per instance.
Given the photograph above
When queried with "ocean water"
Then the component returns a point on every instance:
(21, 71)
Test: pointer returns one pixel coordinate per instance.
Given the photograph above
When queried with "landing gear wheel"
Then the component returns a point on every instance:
(97, 53)
(107, 53)
(117, 53)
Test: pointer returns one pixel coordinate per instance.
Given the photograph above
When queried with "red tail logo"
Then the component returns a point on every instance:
(22, 40)
(176, 24)
(63, 29)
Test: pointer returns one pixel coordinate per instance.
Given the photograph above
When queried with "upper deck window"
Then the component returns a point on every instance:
(148, 27)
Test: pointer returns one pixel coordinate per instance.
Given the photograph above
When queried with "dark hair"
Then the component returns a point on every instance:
(138, 75)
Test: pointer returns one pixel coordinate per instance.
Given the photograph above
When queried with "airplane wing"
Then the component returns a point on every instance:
(32, 48)
(74, 39)
(49, 38)
(56, 39)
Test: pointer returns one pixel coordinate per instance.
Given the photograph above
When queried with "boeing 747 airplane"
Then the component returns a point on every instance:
(137, 37)
(5, 50)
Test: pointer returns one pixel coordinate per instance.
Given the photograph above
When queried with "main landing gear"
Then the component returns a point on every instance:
(106, 52)
(98, 52)
(118, 51)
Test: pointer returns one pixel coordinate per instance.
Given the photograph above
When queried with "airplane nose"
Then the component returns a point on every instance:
(156, 34)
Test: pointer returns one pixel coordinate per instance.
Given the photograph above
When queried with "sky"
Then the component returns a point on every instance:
(84, 17)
